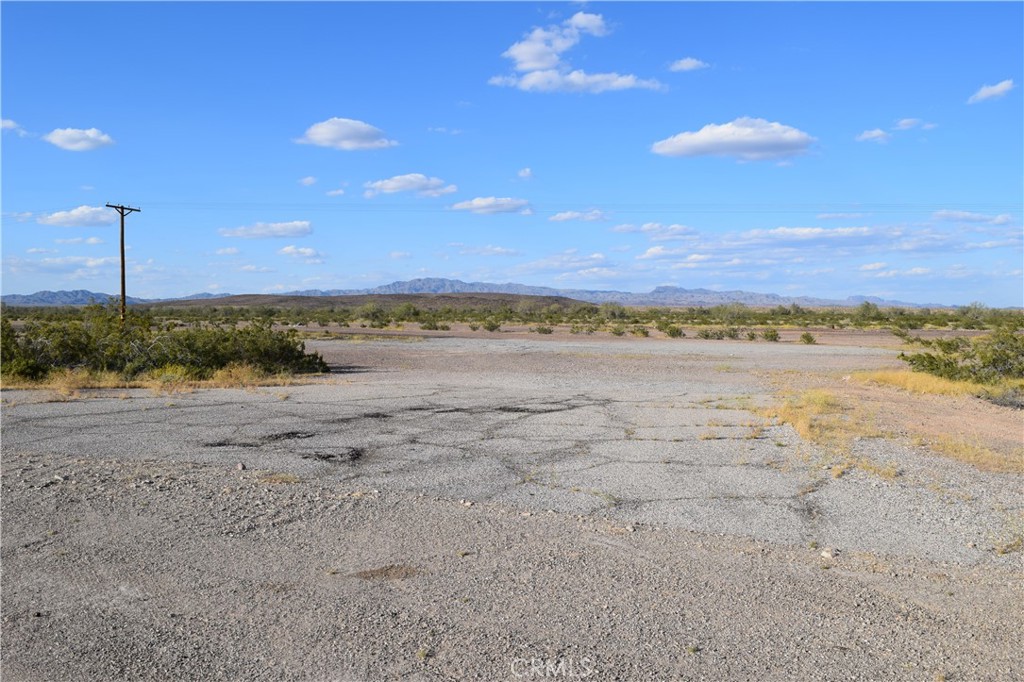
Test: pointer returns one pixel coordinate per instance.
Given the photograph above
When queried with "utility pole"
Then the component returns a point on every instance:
(123, 211)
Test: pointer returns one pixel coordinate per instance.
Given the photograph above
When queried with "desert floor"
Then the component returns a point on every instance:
(509, 506)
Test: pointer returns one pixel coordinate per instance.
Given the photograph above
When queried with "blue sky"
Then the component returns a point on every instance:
(796, 148)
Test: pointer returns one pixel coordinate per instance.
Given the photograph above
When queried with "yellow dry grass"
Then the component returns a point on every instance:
(978, 455)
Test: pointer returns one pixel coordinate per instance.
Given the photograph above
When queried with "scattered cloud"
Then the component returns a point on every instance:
(525, 174)
(20, 217)
(294, 228)
(228, 251)
(872, 267)
(911, 123)
(80, 240)
(876, 135)
(71, 267)
(567, 261)
(83, 216)
(306, 254)
(307, 181)
(747, 139)
(492, 205)
(335, 192)
(445, 131)
(586, 216)
(970, 217)
(345, 134)
(912, 272)
(78, 140)
(489, 250)
(399, 255)
(8, 124)
(658, 232)
(36, 249)
(256, 268)
(688, 64)
(540, 67)
(808, 233)
(411, 182)
(662, 252)
(840, 216)
(987, 92)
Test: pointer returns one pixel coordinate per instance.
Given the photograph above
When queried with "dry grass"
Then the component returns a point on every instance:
(978, 455)
(918, 382)
(927, 384)
(822, 418)
(67, 384)
(278, 478)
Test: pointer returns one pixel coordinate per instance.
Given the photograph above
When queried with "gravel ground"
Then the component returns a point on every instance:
(496, 508)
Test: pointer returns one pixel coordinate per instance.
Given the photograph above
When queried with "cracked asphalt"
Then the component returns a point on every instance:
(495, 508)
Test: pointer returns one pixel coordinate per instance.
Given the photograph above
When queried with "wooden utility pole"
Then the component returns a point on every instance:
(123, 211)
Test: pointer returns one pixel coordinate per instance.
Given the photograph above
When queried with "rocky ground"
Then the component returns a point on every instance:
(507, 507)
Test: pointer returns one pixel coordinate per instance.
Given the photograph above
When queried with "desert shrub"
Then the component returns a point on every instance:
(751, 335)
(491, 325)
(100, 343)
(617, 330)
(808, 338)
(473, 326)
(542, 329)
(985, 360)
(640, 330)
(673, 331)
(770, 334)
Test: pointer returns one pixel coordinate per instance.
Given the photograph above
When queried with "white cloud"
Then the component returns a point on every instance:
(688, 64)
(346, 134)
(8, 124)
(77, 140)
(83, 216)
(256, 268)
(80, 240)
(335, 192)
(876, 135)
(661, 252)
(907, 123)
(569, 260)
(398, 255)
(538, 61)
(588, 216)
(492, 205)
(970, 217)
(748, 139)
(912, 272)
(445, 131)
(34, 250)
(307, 181)
(229, 251)
(871, 267)
(489, 250)
(294, 228)
(991, 91)
(305, 253)
(807, 233)
(839, 216)
(525, 174)
(411, 182)
(659, 232)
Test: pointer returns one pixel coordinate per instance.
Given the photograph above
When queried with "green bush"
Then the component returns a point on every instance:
(770, 334)
(492, 325)
(808, 338)
(673, 331)
(99, 342)
(542, 329)
(985, 360)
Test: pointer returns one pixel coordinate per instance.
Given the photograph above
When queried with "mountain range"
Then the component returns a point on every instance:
(663, 296)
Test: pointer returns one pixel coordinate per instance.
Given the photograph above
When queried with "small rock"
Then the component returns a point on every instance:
(240, 466)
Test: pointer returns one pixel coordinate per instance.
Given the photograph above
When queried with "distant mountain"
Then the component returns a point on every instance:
(663, 296)
(667, 296)
(83, 297)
